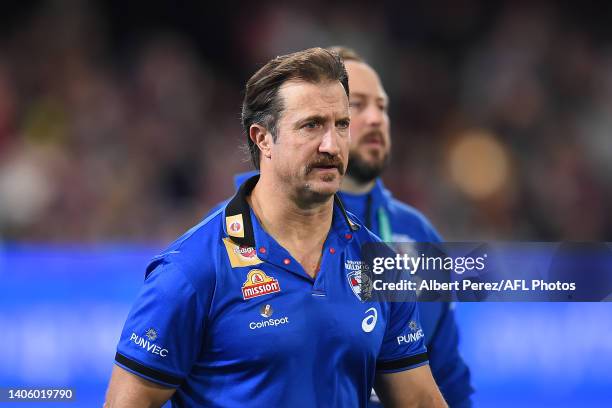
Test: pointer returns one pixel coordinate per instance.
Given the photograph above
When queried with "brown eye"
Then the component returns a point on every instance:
(311, 125)
(343, 124)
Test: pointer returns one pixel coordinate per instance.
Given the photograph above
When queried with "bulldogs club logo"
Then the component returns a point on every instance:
(361, 284)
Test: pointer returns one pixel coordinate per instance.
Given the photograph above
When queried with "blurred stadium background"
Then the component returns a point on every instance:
(119, 129)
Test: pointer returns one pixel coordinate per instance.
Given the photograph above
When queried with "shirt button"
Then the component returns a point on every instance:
(348, 236)
(262, 250)
(286, 261)
(332, 250)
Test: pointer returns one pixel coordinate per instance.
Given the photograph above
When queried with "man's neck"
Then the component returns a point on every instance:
(292, 225)
(353, 186)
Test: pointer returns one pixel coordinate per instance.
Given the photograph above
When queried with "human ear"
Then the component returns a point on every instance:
(262, 138)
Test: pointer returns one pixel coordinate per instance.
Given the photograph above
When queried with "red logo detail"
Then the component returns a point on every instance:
(246, 251)
(235, 226)
(259, 284)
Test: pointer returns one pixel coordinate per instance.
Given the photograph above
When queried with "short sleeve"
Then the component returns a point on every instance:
(403, 346)
(163, 333)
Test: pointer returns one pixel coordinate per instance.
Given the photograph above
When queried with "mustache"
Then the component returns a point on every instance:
(373, 135)
(326, 161)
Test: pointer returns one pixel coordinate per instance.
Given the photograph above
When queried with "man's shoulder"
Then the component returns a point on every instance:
(407, 220)
(195, 253)
(207, 231)
(361, 233)
(405, 210)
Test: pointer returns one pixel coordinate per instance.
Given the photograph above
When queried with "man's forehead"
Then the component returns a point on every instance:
(364, 81)
(311, 97)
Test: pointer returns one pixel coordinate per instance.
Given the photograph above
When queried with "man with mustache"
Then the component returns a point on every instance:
(365, 196)
(196, 334)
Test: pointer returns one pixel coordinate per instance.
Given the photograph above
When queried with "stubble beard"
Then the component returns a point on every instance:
(363, 171)
(309, 195)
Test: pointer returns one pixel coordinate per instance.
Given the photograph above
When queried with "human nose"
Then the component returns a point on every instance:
(373, 115)
(329, 142)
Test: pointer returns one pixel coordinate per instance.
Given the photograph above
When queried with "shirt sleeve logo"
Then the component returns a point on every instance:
(151, 334)
(147, 342)
(416, 333)
(258, 284)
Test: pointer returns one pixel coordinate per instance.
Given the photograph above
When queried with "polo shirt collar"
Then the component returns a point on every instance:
(239, 226)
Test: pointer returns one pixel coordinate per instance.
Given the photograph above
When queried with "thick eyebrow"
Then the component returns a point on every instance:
(315, 118)
(318, 119)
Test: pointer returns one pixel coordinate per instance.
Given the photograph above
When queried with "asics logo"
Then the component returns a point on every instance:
(369, 322)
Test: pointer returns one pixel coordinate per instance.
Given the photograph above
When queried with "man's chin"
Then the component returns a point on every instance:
(373, 161)
(366, 169)
(329, 187)
(322, 188)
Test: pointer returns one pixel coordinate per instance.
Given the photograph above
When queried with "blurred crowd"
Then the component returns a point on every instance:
(501, 116)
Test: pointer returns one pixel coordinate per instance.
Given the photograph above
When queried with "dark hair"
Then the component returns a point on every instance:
(262, 104)
(346, 53)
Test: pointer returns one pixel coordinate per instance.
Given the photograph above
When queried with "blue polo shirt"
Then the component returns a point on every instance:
(406, 224)
(229, 318)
